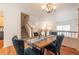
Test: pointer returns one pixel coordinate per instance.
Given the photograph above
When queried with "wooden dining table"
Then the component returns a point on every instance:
(43, 43)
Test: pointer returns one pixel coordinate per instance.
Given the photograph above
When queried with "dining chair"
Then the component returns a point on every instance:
(36, 33)
(56, 45)
(20, 50)
(1, 35)
(53, 33)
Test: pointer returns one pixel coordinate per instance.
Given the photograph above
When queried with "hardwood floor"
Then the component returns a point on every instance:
(1, 43)
(64, 51)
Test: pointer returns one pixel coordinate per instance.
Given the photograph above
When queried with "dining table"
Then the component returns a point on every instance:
(41, 44)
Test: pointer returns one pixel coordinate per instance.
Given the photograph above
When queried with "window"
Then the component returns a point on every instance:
(63, 28)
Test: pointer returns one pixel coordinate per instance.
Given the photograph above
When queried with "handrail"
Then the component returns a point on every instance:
(29, 25)
(72, 34)
(68, 31)
(28, 30)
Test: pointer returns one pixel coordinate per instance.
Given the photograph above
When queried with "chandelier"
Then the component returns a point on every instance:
(49, 7)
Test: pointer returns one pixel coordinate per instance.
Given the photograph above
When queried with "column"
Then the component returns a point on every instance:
(78, 23)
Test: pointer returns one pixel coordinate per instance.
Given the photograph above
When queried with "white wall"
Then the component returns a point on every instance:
(11, 23)
(42, 22)
(47, 21)
(71, 22)
(73, 43)
(34, 23)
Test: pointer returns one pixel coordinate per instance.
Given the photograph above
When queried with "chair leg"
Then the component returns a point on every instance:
(42, 51)
(59, 52)
(45, 51)
(55, 53)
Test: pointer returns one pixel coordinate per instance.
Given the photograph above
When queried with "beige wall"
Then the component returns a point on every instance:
(71, 22)
(42, 23)
(1, 21)
(11, 23)
(73, 43)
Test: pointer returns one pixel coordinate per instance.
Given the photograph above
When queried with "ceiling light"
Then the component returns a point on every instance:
(49, 7)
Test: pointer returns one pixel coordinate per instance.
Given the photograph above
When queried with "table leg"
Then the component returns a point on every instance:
(45, 50)
(42, 51)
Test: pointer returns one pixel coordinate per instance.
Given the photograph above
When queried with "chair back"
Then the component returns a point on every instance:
(1, 35)
(59, 40)
(36, 33)
(53, 33)
(18, 45)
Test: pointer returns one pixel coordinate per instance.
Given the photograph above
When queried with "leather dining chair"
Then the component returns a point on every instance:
(20, 50)
(53, 33)
(1, 35)
(56, 45)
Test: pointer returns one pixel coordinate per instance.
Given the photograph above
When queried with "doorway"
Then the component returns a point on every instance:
(24, 21)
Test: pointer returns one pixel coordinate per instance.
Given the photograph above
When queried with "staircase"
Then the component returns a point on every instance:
(24, 33)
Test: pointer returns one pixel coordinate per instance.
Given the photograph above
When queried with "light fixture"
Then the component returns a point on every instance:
(50, 7)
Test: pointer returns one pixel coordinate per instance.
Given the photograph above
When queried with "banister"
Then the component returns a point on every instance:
(72, 34)
(68, 31)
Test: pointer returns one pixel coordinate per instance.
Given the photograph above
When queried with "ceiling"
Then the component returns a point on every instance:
(36, 10)
(63, 11)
